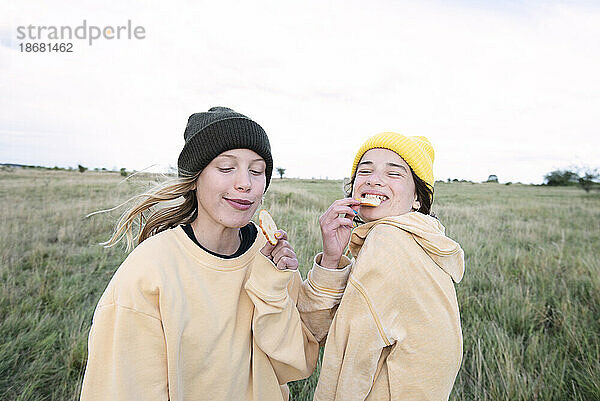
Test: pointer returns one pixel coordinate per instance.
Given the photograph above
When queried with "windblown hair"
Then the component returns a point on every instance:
(149, 213)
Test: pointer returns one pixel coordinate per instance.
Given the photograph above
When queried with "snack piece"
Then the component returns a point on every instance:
(370, 200)
(268, 226)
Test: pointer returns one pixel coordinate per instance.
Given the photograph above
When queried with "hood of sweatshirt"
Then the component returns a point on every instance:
(428, 232)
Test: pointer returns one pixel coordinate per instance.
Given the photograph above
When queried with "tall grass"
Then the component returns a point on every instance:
(530, 299)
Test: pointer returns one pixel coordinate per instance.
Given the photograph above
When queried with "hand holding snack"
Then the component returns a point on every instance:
(277, 248)
(336, 227)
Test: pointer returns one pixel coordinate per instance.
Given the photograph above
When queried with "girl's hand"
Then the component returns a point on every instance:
(336, 227)
(282, 254)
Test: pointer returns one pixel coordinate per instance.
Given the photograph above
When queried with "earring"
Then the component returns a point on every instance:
(417, 207)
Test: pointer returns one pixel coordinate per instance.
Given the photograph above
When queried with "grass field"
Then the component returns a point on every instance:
(530, 299)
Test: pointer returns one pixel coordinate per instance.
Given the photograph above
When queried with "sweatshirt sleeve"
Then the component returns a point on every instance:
(398, 297)
(126, 356)
(320, 295)
(277, 328)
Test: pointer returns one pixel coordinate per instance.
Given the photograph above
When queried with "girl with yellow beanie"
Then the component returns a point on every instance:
(396, 334)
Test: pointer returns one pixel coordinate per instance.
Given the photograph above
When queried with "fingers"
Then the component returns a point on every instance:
(341, 222)
(339, 214)
(336, 211)
(341, 205)
(267, 250)
(346, 201)
(284, 251)
(285, 258)
(280, 234)
(287, 263)
(282, 254)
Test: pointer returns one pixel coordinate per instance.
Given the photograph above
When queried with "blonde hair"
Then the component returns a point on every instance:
(136, 219)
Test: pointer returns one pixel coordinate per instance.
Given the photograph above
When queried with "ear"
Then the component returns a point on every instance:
(416, 205)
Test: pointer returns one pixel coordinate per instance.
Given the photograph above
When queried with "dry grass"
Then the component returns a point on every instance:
(530, 299)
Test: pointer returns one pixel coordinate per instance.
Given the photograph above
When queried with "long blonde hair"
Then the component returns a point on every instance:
(182, 190)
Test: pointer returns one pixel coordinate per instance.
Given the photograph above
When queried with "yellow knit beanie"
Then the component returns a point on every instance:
(416, 151)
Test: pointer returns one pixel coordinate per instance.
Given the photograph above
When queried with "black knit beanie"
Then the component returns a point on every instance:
(211, 133)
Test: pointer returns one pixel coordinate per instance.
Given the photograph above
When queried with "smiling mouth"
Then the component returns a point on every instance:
(239, 204)
(382, 198)
(240, 201)
(372, 200)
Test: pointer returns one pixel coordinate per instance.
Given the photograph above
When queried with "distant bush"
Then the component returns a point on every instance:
(492, 178)
(590, 179)
(457, 180)
(561, 178)
(123, 172)
(587, 178)
(81, 168)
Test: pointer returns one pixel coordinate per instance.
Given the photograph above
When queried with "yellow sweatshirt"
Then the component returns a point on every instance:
(321, 294)
(177, 323)
(396, 334)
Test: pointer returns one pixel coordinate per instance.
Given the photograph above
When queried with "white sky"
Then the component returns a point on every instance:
(510, 88)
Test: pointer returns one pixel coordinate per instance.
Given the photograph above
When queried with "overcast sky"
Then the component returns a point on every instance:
(510, 88)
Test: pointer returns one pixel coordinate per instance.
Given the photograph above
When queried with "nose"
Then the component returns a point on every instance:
(243, 183)
(374, 180)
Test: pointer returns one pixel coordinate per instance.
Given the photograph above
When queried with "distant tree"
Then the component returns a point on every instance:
(561, 178)
(492, 178)
(280, 171)
(589, 179)
(81, 168)
(123, 172)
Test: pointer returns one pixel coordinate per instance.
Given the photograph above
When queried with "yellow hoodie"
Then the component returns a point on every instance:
(396, 334)
(177, 323)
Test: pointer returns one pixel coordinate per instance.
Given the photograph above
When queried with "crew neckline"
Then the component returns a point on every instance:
(214, 262)
(247, 236)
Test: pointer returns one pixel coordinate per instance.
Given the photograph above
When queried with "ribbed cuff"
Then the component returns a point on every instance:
(331, 282)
